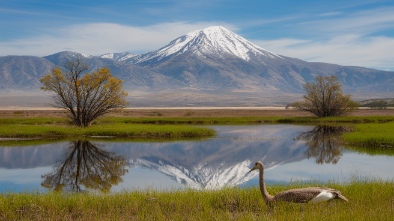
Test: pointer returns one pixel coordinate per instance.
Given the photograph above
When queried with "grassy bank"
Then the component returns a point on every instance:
(372, 135)
(374, 131)
(367, 201)
(113, 130)
(233, 120)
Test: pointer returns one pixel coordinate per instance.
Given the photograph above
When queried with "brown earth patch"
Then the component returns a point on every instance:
(192, 112)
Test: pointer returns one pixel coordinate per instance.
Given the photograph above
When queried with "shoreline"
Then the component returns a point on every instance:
(16, 108)
(186, 112)
(20, 108)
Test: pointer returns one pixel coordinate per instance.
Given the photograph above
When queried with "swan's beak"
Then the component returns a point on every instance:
(255, 167)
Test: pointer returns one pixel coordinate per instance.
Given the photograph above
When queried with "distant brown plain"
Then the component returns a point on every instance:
(191, 112)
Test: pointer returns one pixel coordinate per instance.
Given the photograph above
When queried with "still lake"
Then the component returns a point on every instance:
(289, 152)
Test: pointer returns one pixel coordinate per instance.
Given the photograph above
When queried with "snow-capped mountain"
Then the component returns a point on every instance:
(212, 66)
(214, 40)
(215, 58)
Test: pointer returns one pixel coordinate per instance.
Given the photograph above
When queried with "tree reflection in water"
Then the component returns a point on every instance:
(324, 143)
(86, 167)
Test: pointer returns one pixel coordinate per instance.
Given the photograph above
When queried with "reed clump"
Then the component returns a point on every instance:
(368, 200)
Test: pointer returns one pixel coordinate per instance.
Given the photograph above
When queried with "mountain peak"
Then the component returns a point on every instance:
(221, 40)
(209, 31)
(214, 40)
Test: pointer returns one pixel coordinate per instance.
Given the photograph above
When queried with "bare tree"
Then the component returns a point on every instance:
(324, 98)
(86, 96)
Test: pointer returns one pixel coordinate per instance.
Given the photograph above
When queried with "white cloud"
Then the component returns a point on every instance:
(354, 50)
(100, 38)
(362, 23)
(345, 48)
(363, 38)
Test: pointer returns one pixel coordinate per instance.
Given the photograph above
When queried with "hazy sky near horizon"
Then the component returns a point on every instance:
(351, 32)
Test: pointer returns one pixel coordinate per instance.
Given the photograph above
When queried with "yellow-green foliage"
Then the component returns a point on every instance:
(92, 94)
(368, 200)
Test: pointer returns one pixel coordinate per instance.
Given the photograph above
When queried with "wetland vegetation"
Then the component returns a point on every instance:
(375, 132)
(368, 199)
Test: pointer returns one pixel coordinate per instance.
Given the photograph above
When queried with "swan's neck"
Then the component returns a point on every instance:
(267, 197)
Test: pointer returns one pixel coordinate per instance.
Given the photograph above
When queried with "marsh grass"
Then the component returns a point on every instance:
(375, 136)
(368, 200)
(39, 128)
(371, 131)
(373, 151)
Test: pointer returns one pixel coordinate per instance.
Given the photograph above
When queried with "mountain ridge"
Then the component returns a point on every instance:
(207, 62)
(204, 56)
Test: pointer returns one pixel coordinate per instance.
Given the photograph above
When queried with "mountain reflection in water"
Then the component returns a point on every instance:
(205, 164)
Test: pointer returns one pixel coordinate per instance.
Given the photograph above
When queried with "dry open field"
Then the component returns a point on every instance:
(191, 112)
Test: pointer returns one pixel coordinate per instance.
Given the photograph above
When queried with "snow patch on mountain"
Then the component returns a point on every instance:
(118, 56)
(87, 55)
(219, 39)
(215, 40)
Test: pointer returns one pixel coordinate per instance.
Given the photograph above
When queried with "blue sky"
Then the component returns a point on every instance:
(351, 32)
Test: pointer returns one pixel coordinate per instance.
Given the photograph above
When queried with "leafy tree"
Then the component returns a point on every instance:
(86, 96)
(324, 98)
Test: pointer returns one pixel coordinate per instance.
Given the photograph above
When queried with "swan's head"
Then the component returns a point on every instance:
(257, 166)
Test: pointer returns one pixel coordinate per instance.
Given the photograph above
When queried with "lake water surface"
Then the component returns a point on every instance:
(289, 152)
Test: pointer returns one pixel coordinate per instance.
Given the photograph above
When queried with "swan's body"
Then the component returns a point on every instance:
(301, 195)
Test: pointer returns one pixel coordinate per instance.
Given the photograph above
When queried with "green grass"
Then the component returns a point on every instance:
(372, 135)
(373, 151)
(115, 130)
(34, 121)
(370, 131)
(368, 200)
(202, 120)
